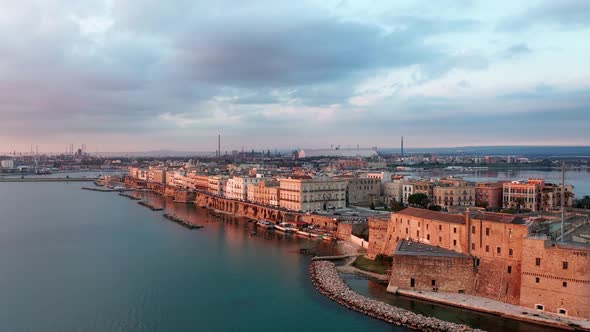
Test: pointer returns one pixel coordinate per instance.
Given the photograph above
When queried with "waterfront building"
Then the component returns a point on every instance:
(556, 277)
(307, 194)
(264, 192)
(488, 195)
(198, 181)
(485, 254)
(237, 187)
(526, 195)
(156, 174)
(551, 196)
(217, 185)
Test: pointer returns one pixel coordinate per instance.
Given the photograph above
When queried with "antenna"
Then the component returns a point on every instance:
(562, 198)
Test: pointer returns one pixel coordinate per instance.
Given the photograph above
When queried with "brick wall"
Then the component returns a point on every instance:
(546, 282)
(344, 231)
(450, 274)
(377, 237)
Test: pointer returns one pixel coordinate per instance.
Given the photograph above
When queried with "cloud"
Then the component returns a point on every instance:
(172, 71)
(563, 13)
(516, 50)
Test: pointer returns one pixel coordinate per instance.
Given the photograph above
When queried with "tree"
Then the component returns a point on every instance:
(435, 207)
(545, 200)
(372, 206)
(418, 200)
(395, 206)
(519, 202)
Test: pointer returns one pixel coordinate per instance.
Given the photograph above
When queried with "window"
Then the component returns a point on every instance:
(473, 246)
(562, 311)
(539, 307)
(427, 236)
(499, 250)
(537, 261)
(406, 231)
(564, 265)
(472, 229)
(565, 284)
(510, 252)
(454, 229)
(433, 282)
(412, 282)
(487, 231)
(440, 239)
(417, 233)
(487, 248)
(440, 227)
(454, 242)
(537, 280)
(509, 269)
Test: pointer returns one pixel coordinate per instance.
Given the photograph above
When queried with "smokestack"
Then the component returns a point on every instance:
(402, 148)
(219, 145)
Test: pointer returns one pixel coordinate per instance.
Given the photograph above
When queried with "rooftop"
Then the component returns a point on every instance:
(434, 215)
(409, 248)
(498, 217)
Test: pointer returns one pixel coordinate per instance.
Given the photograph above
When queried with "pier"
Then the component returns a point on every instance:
(149, 206)
(130, 196)
(182, 222)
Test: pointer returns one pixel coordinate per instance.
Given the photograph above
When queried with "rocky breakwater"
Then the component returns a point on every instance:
(326, 279)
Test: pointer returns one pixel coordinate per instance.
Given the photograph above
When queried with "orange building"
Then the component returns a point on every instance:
(488, 195)
(484, 254)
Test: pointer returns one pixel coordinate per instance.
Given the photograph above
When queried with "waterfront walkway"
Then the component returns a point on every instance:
(500, 308)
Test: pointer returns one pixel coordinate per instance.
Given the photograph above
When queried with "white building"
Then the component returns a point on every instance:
(304, 193)
(237, 187)
(408, 190)
(7, 163)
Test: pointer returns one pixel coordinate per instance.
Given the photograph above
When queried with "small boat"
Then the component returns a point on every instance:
(265, 224)
(286, 227)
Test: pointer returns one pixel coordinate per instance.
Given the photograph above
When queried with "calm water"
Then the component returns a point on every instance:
(75, 260)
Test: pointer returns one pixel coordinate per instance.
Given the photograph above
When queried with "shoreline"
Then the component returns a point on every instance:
(528, 318)
(326, 280)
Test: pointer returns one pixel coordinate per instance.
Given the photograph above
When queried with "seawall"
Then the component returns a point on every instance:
(326, 279)
(239, 208)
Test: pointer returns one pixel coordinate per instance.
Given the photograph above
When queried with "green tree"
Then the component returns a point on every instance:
(418, 200)
(395, 206)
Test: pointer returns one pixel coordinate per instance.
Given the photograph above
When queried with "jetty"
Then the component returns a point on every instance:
(334, 258)
(104, 190)
(149, 206)
(325, 278)
(182, 222)
(130, 196)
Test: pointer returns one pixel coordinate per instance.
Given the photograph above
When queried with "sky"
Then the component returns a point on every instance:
(171, 75)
